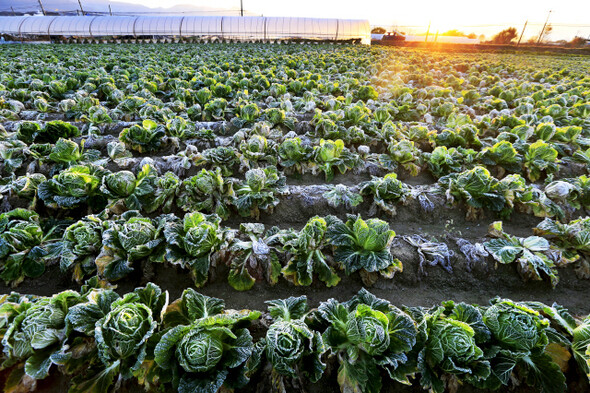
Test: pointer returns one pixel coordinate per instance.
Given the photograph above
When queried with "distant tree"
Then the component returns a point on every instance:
(482, 37)
(472, 36)
(454, 33)
(506, 36)
(577, 41)
(378, 30)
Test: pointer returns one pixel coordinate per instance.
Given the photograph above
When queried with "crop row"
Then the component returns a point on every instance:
(80, 183)
(100, 339)
(110, 246)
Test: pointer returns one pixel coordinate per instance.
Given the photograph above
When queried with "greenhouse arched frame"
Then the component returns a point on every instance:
(247, 28)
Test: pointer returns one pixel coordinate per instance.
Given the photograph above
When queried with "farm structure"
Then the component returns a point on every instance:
(186, 27)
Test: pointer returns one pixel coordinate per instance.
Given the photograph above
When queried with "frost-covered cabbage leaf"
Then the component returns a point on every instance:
(128, 239)
(452, 338)
(191, 242)
(21, 241)
(307, 256)
(367, 335)
(121, 327)
(35, 331)
(260, 191)
(144, 138)
(80, 245)
(332, 154)
(292, 348)
(363, 245)
(126, 190)
(387, 191)
(519, 344)
(207, 192)
(532, 254)
(205, 347)
(73, 187)
(257, 256)
(294, 156)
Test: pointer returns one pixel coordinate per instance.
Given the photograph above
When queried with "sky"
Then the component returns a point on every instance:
(413, 16)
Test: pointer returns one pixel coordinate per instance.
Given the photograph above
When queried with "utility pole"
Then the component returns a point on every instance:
(110, 10)
(543, 30)
(241, 7)
(81, 9)
(42, 8)
(427, 31)
(13, 13)
(522, 33)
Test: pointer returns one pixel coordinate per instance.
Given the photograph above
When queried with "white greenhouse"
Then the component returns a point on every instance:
(247, 28)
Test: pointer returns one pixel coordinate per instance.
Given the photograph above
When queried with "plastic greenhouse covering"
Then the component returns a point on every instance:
(226, 27)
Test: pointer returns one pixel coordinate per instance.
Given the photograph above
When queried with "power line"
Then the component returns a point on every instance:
(543, 29)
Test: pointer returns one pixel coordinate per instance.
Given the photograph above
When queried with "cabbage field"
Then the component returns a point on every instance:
(293, 218)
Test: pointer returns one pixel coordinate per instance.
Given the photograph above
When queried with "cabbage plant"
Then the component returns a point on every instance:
(540, 157)
(386, 192)
(207, 192)
(572, 238)
(21, 246)
(257, 151)
(127, 239)
(205, 347)
(35, 329)
(191, 242)
(66, 152)
(368, 336)
(331, 154)
(80, 245)
(223, 157)
(260, 191)
(532, 254)
(363, 245)
(292, 348)
(256, 257)
(73, 187)
(520, 336)
(144, 138)
(121, 328)
(452, 339)
(126, 190)
(294, 156)
(307, 257)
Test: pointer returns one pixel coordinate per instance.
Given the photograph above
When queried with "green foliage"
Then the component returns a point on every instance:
(205, 347)
(332, 154)
(532, 255)
(207, 192)
(293, 349)
(34, 332)
(126, 240)
(367, 335)
(307, 256)
(452, 336)
(260, 191)
(144, 138)
(520, 339)
(121, 327)
(386, 191)
(256, 257)
(74, 187)
(21, 252)
(363, 245)
(79, 247)
(192, 242)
